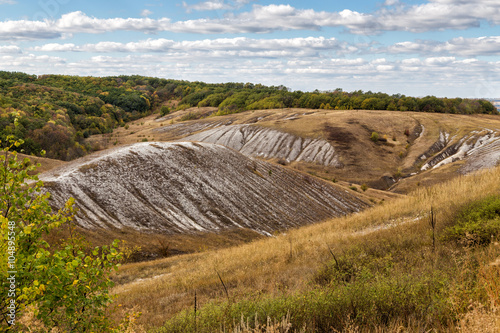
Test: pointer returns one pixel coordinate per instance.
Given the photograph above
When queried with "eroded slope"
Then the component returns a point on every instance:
(186, 187)
(265, 142)
(413, 149)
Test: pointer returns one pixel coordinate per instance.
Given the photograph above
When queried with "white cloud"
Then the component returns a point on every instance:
(441, 76)
(10, 49)
(29, 62)
(215, 5)
(206, 5)
(391, 2)
(76, 22)
(465, 47)
(434, 15)
(146, 13)
(239, 46)
(7, 2)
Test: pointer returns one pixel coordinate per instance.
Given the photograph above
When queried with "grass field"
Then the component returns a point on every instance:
(375, 270)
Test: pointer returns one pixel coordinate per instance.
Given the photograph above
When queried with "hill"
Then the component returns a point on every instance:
(188, 188)
(412, 149)
(56, 113)
(386, 269)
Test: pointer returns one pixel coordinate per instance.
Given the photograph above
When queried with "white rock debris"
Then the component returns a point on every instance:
(479, 150)
(178, 187)
(265, 142)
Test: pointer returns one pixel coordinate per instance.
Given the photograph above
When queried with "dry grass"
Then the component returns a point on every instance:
(364, 161)
(285, 263)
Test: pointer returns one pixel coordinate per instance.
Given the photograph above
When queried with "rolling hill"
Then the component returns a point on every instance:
(413, 148)
(185, 187)
(383, 268)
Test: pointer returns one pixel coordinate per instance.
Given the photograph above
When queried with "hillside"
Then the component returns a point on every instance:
(184, 188)
(56, 113)
(385, 269)
(413, 149)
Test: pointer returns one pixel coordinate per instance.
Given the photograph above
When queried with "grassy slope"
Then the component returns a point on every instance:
(287, 264)
(348, 131)
(365, 161)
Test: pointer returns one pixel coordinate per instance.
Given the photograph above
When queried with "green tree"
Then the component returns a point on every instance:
(164, 110)
(64, 286)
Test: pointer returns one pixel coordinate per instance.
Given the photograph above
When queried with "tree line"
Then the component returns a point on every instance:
(55, 113)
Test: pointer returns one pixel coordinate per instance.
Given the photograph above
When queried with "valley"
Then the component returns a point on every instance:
(262, 208)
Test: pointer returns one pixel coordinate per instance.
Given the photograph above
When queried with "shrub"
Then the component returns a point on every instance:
(65, 286)
(183, 106)
(164, 110)
(191, 116)
(477, 223)
(364, 187)
(374, 137)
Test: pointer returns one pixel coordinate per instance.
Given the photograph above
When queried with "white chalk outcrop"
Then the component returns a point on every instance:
(184, 186)
(265, 142)
(479, 150)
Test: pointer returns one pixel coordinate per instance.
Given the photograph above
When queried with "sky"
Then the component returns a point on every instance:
(445, 48)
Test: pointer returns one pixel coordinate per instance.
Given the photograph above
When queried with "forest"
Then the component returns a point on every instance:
(56, 113)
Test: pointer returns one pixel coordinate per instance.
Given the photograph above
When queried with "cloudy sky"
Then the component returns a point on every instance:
(415, 47)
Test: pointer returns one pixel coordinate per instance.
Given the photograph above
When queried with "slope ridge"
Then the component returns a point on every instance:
(185, 187)
(265, 142)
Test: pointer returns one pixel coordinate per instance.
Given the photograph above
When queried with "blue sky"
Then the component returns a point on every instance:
(447, 48)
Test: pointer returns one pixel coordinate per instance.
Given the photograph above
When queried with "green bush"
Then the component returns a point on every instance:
(164, 110)
(477, 223)
(65, 286)
(375, 137)
(191, 116)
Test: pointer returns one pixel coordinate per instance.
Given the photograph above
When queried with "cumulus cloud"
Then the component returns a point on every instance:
(460, 46)
(239, 46)
(10, 49)
(76, 22)
(434, 15)
(430, 75)
(146, 13)
(206, 5)
(430, 16)
(215, 5)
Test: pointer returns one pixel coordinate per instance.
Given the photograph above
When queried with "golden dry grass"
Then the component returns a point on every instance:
(286, 263)
(348, 130)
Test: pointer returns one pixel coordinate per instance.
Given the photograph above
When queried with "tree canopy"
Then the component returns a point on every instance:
(57, 112)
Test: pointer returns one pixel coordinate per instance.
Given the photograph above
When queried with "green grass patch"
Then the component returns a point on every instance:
(477, 223)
